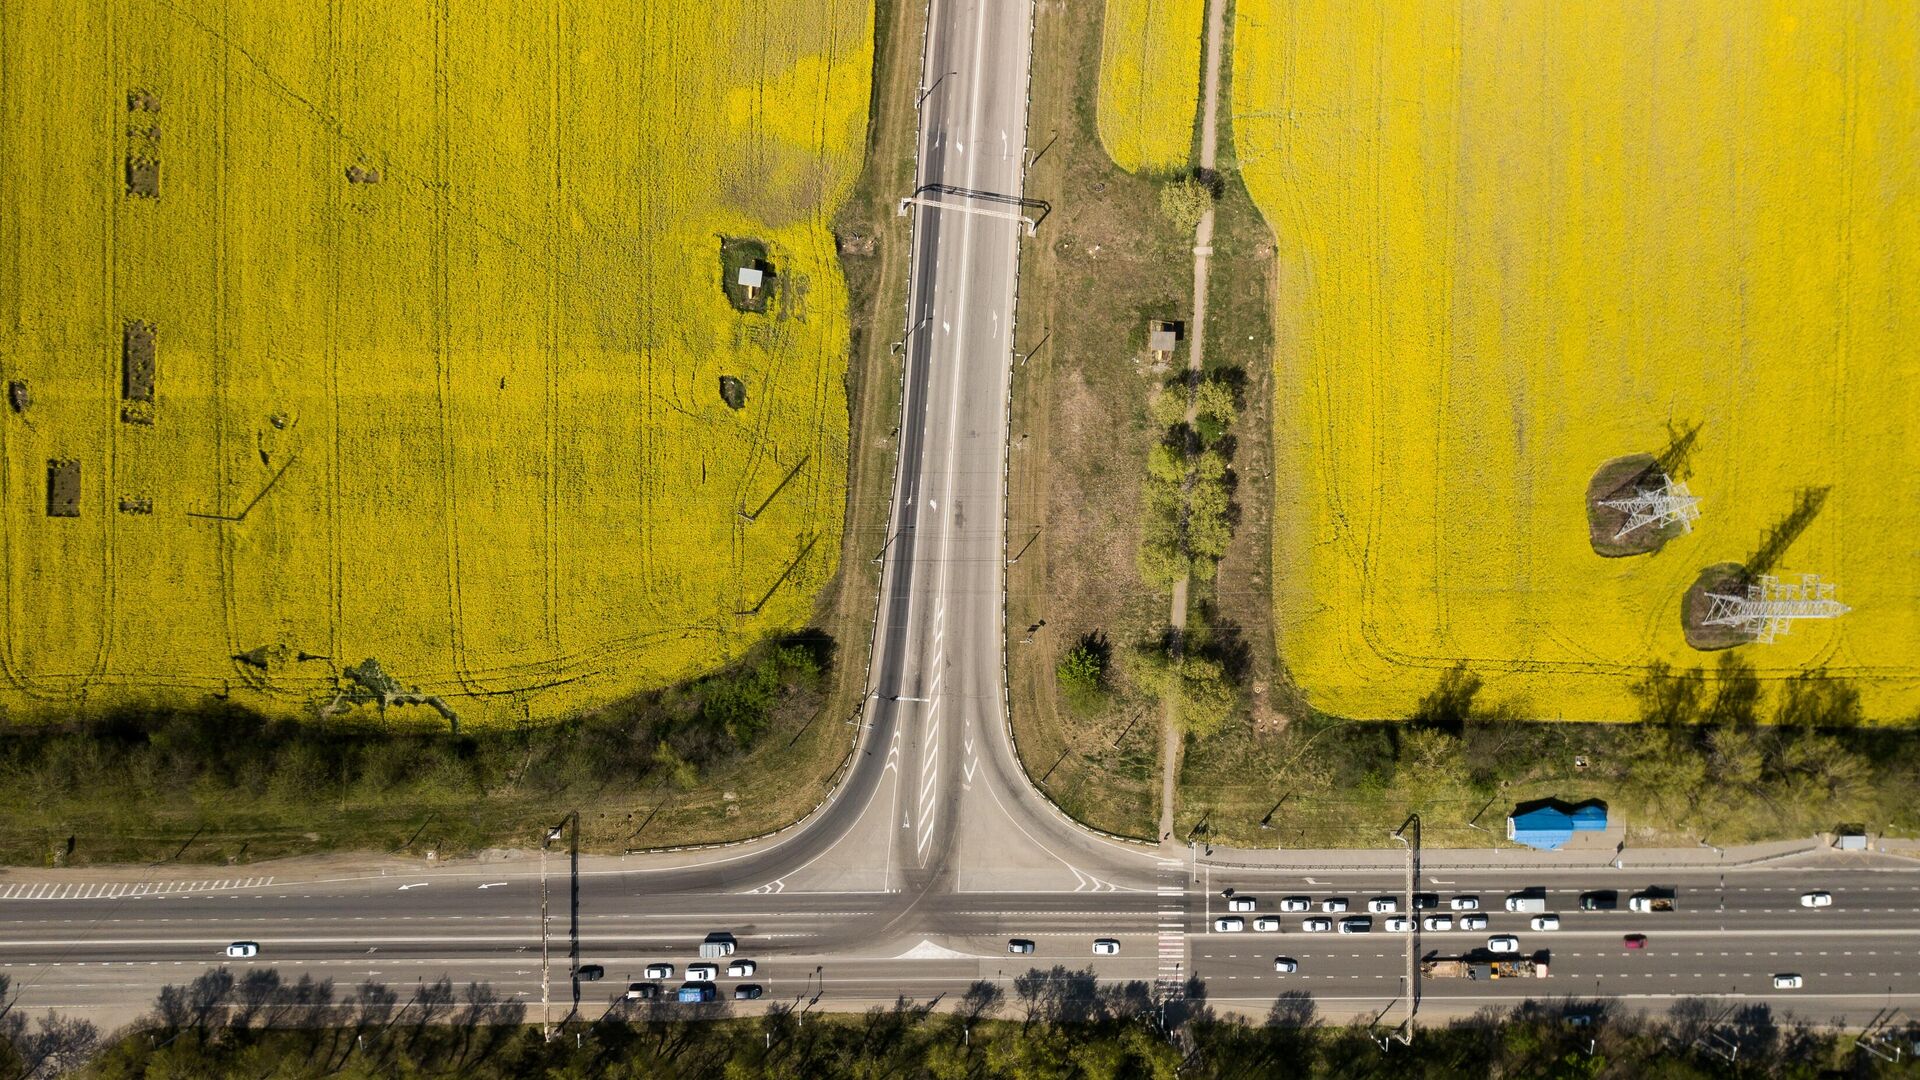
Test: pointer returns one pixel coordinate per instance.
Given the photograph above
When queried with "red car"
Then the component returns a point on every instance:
(1634, 941)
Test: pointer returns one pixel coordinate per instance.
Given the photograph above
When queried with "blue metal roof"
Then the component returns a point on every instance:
(1549, 825)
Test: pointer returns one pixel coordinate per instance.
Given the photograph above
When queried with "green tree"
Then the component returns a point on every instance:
(1215, 399)
(1184, 202)
(1168, 405)
(1197, 688)
(1082, 671)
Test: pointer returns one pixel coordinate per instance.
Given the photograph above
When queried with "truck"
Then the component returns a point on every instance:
(1530, 901)
(695, 993)
(1483, 969)
(718, 944)
(1600, 900)
(1655, 898)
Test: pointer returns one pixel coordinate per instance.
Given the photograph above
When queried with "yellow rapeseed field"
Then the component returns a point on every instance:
(1517, 239)
(1150, 81)
(434, 294)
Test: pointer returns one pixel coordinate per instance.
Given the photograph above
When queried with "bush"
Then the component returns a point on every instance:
(1082, 672)
(1184, 202)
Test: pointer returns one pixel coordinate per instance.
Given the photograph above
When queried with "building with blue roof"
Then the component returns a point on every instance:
(1548, 824)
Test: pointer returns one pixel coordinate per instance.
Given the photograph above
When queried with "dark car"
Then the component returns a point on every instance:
(1600, 900)
(1020, 946)
(1425, 901)
(747, 992)
(1634, 941)
(589, 972)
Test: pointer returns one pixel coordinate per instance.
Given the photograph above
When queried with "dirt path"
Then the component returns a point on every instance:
(1170, 740)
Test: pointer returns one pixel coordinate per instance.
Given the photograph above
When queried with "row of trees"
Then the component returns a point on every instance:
(1044, 1024)
(1728, 759)
(1189, 487)
(224, 767)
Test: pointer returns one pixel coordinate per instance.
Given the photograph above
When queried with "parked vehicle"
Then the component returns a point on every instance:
(1229, 924)
(1471, 921)
(1465, 903)
(1241, 903)
(1655, 898)
(1381, 904)
(659, 971)
(1357, 924)
(1437, 923)
(1600, 900)
(741, 969)
(718, 944)
(1267, 924)
(1546, 922)
(1503, 943)
(1296, 903)
(1316, 926)
(1107, 946)
(1816, 899)
(1020, 946)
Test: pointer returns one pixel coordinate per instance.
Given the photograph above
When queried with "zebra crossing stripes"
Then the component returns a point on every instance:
(116, 890)
(1171, 978)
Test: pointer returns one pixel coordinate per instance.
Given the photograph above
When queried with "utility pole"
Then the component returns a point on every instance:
(546, 973)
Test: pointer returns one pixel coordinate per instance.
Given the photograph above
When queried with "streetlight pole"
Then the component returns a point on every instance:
(931, 89)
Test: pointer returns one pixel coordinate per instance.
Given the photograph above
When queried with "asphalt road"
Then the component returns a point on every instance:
(936, 850)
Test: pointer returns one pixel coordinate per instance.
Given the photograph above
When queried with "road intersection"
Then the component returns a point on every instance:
(936, 849)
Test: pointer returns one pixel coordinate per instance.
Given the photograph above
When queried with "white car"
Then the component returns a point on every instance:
(1316, 926)
(1241, 903)
(1380, 904)
(1473, 922)
(1546, 922)
(1229, 924)
(659, 971)
(1439, 922)
(702, 972)
(1816, 899)
(1400, 924)
(243, 949)
(1334, 903)
(1465, 903)
(1296, 903)
(1106, 946)
(741, 969)
(1503, 943)
(1788, 982)
(1267, 924)
(1357, 924)
(1286, 963)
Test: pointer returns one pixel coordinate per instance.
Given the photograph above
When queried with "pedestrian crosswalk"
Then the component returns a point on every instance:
(1171, 979)
(115, 890)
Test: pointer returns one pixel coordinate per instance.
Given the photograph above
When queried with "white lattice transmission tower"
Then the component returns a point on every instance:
(1771, 605)
(1657, 506)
